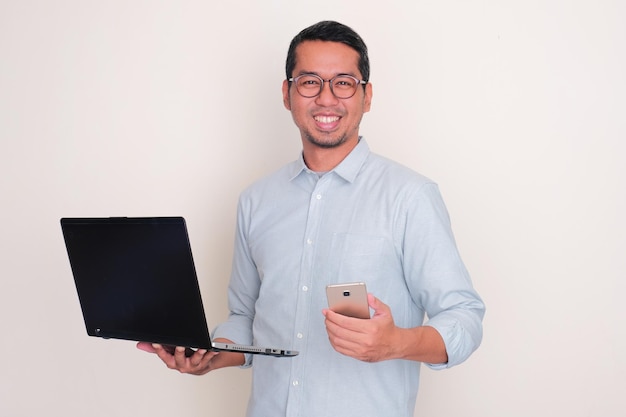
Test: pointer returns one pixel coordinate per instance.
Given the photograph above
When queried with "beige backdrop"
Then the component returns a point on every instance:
(134, 108)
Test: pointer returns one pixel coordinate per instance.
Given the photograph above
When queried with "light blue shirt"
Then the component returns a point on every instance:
(371, 220)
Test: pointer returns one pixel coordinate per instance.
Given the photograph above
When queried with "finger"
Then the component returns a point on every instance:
(348, 347)
(164, 354)
(346, 323)
(204, 364)
(342, 337)
(179, 357)
(199, 357)
(146, 347)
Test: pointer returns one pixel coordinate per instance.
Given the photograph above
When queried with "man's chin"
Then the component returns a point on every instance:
(326, 143)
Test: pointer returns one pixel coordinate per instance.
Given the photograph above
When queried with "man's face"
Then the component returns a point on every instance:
(327, 121)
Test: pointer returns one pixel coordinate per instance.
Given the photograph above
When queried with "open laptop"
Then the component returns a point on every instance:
(136, 280)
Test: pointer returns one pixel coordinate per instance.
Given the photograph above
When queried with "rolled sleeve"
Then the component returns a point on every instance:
(461, 332)
(439, 281)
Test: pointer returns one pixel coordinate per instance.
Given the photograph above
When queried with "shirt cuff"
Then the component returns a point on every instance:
(458, 341)
(236, 334)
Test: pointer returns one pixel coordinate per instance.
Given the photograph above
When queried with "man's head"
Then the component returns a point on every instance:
(330, 31)
(328, 64)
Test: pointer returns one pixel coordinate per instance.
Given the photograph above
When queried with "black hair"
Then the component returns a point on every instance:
(330, 31)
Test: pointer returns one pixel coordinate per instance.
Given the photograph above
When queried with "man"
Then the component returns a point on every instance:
(340, 214)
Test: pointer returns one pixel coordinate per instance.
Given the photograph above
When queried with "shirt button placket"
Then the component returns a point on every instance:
(304, 303)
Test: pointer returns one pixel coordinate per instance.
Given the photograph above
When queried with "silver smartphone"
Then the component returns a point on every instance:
(349, 299)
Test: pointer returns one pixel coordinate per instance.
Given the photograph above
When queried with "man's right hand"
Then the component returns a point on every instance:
(199, 363)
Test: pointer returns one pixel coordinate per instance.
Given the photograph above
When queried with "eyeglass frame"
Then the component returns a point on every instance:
(330, 83)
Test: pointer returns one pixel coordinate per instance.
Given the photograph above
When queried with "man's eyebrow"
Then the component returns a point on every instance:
(319, 75)
(307, 73)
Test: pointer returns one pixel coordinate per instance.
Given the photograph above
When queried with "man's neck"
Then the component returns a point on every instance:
(320, 159)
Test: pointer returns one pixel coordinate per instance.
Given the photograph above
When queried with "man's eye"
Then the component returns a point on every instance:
(344, 82)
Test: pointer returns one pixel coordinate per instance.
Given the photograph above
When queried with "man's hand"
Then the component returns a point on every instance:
(378, 338)
(200, 363)
(369, 340)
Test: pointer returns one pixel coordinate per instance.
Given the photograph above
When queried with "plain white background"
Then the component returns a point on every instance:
(136, 108)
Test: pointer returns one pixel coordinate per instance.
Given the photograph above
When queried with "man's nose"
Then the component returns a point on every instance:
(326, 95)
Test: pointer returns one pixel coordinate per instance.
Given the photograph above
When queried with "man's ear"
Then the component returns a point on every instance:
(286, 101)
(369, 93)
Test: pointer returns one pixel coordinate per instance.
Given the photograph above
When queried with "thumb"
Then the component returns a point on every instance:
(378, 306)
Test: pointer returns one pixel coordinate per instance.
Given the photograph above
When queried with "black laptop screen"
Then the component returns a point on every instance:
(136, 279)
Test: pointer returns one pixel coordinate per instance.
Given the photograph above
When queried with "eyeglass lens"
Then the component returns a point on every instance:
(342, 86)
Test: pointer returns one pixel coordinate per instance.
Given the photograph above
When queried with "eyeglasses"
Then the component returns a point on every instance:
(311, 85)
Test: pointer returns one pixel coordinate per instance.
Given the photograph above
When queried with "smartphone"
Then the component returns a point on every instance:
(349, 299)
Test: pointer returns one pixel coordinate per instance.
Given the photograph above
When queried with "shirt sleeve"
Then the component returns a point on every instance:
(243, 290)
(437, 278)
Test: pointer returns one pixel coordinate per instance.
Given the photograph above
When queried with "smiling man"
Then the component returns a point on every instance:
(340, 213)
(329, 102)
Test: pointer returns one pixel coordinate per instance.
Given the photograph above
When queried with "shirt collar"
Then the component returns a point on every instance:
(347, 169)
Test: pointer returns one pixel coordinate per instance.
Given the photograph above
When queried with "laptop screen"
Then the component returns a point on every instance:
(136, 279)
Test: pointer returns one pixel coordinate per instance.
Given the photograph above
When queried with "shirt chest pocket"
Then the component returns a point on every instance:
(355, 257)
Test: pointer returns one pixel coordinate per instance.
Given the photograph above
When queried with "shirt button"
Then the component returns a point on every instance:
(305, 288)
(295, 383)
(299, 335)
(319, 196)
(309, 241)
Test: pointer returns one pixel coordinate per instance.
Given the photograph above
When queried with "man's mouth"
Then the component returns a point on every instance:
(326, 119)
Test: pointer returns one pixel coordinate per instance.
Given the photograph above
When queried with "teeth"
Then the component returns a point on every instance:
(326, 119)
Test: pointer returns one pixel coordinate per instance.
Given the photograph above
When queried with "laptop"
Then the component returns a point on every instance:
(136, 280)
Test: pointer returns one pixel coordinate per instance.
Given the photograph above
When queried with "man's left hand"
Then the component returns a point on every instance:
(369, 340)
